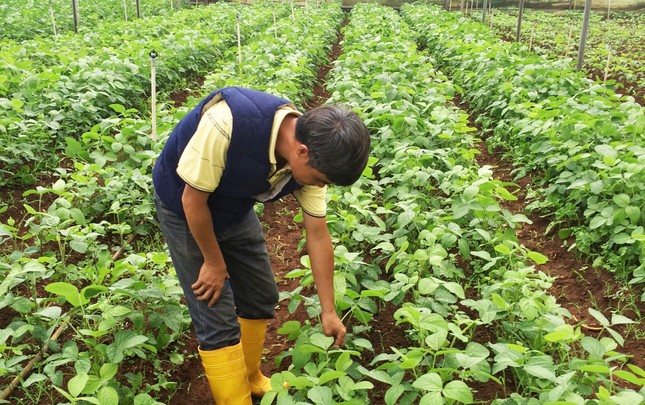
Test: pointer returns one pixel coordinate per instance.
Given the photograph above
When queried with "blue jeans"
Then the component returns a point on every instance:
(251, 292)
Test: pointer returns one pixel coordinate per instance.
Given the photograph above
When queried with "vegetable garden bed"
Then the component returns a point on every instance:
(450, 290)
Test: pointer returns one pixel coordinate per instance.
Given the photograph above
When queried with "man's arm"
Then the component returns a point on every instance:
(212, 275)
(321, 254)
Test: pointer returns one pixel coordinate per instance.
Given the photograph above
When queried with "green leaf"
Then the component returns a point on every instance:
(538, 258)
(627, 376)
(108, 370)
(330, 376)
(76, 384)
(595, 368)
(617, 319)
(322, 341)
(108, 396)
(432, 398)
(595, 349)
(145, 399)
(499, 301)
(622, 200)
(599, 317)
(79, 245)
(343, 361)
(458, 391)
(36, 377)
(68, 291)
(429, 382)
(118, 108)
(503, 249)
(320, 395)
(541, 372)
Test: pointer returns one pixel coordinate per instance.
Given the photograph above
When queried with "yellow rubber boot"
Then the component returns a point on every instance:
(253, 334)
(226, 374)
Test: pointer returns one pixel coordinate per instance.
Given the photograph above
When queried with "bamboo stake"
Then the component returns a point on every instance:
(51, 13)
(25, 372)
(491, 18)
(607, 66)
(275, 24)
(43, 350)
(125, 9)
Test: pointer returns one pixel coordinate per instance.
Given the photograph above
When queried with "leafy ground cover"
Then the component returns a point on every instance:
(48, 18)
(443, 284)
(583, 139)
(614, 48)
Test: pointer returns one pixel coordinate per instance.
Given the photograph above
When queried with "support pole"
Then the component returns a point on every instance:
(607, 66)
(583, 36)
(75, 12)
(239, 42)
(153, 92)
(484, 11)
(275, 23)
(51, 13)
(138, 9)
(519, 21)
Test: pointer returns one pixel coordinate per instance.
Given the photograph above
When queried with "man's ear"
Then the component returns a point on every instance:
(302, 150)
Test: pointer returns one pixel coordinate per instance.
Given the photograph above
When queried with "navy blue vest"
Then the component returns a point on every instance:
(247, 161)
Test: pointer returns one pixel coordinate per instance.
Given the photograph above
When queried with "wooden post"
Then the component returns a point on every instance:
(608, 8)
(138, 9)
(583, 35)
(520, 14)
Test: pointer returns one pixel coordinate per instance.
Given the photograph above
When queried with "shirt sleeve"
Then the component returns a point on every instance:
(312, 200)
(202, 163)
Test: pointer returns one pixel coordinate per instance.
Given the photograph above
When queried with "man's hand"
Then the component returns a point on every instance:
(333, 327)
(210, 283)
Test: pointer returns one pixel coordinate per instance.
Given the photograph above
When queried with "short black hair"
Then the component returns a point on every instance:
(338, 142)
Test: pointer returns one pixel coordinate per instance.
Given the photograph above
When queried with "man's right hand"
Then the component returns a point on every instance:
(210, 283)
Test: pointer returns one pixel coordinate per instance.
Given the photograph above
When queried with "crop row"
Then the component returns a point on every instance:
(614, 46)
(60, 87)
(428, 219)
(581, 142)
(37, 15)
(67, 240)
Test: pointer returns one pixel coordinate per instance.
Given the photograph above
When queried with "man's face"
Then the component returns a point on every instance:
(303, 172)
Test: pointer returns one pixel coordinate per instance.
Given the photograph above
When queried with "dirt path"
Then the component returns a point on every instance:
(282, 236)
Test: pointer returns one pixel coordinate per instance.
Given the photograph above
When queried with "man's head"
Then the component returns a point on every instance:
(338, 142)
